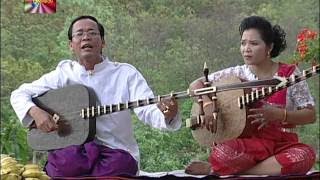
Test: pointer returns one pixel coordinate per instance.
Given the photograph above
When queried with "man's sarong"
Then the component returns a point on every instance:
(90, 159)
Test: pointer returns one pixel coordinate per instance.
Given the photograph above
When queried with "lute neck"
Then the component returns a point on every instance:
(258, 94)
(95, 111)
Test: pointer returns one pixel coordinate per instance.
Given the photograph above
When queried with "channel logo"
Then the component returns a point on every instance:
(40, 6)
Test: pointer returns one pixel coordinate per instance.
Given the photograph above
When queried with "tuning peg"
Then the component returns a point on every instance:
(206, 71)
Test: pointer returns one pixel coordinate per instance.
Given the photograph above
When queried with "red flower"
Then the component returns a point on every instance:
(302, 38)
(306, 34)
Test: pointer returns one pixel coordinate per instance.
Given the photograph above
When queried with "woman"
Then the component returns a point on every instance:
(273, 148)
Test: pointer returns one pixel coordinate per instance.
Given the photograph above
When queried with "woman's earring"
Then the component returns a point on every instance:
(268, 53)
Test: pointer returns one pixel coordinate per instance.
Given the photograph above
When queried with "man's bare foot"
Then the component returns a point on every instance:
(198, 168)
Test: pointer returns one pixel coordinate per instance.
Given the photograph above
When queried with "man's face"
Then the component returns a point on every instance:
(86, 41)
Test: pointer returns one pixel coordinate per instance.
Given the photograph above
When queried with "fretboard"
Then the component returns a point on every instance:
(95, 111)
(258, 94)
(108, 109)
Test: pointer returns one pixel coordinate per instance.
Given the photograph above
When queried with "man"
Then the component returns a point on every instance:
(114, 150)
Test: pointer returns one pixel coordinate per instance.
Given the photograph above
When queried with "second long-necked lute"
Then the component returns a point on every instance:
(232, 121)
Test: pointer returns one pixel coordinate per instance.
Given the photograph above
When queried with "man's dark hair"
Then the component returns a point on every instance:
(100, 27)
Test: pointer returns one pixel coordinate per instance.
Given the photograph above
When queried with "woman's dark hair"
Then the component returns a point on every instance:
(269, 34)
(100, 27)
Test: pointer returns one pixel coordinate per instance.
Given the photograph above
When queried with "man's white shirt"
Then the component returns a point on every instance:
(113, 83)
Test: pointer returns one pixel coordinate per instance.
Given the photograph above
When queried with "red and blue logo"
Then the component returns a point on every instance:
(40, 6)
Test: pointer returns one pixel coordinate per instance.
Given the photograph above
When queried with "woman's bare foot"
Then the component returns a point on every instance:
(198, 168)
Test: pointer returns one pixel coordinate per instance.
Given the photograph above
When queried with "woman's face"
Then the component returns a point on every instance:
(253, 49)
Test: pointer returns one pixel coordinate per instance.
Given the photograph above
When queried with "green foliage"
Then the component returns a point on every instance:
(14, 72)
(13, 135)
(310, 133)
(293, 16)
(163, 151)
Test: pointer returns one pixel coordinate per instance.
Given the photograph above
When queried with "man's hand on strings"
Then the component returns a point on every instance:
(265, 114)
(169, 108)
(42, 119)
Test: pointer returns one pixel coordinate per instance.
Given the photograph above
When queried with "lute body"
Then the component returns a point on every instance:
(233, 105)
(72, 128)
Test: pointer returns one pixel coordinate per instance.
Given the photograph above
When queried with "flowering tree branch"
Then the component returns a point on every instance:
(307, 48)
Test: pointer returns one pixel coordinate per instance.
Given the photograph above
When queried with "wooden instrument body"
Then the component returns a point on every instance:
(231, 122)
(233, 104)
(73, 129)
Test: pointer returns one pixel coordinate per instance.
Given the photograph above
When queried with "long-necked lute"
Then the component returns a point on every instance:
(232, 107)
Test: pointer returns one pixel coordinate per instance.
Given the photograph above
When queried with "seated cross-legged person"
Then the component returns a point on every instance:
(273, 147)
